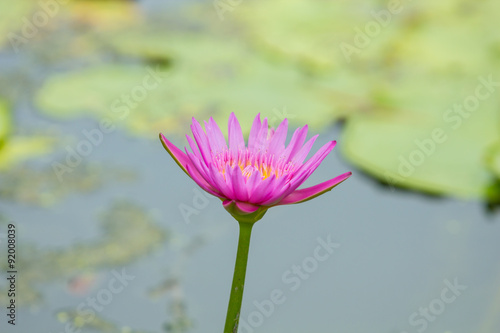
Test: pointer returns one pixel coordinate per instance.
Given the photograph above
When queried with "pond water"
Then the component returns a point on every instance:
(395, 253)
(125, 242)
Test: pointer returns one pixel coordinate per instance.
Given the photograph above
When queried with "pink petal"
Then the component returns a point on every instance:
(254, 132)
(279, 191)
(216, 138)
(239, 186)
(312, 164)
(320, 155)
(201, 168)
(202, 183)
(229, 181)
(178, 155)
(262, 190)
(220, 182)
(261, 142)
(246, 207)
(201, 139)
(313, 191)
(277, 142)
(243, 207)
(302, 154)
(193, 146)
(296, 143)
(252, 181)
(236, 141)
(296, 181)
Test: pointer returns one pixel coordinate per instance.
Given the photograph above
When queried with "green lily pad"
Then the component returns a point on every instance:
(330, 35)
(436, 150)
(108, 15)
(143, 43)
(15, 149)
(5, 122)
(493, 160)
(228, 78)
(12, 23)
(307, 32)
(396, 89)
(18, 149)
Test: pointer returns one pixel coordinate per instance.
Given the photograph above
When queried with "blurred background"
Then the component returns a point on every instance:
(113, 237)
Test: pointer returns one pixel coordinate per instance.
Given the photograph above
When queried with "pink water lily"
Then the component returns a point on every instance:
(251, 178)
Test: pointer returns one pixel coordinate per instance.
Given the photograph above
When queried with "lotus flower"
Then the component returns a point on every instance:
(251, 178)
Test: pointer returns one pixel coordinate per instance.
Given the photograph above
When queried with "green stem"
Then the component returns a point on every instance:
(240, 268)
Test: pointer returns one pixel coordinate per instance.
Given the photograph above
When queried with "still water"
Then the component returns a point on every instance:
(125, 242)
(400, 261)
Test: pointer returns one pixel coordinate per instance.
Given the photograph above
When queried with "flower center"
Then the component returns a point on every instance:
(249, 162)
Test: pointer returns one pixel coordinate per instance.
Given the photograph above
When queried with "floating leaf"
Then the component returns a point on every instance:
(227, 78)
(104, 15)
(143, 43)
(329, 35)
(493, 160)
(18, 149)
(403, 77)
(5, 123)
(307, 32)
(13, 17)
(436, 151)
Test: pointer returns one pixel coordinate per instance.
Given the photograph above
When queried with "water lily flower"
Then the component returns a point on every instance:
(251, 178)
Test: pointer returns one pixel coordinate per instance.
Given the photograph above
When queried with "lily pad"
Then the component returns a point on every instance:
(229, 77)
(18, 149)
(108, 15)
(493, 160)
(143, 43)
(11, 20)
(329, 35)
(307, 32)
(5, 122)
(436, 150)
(403, 81)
